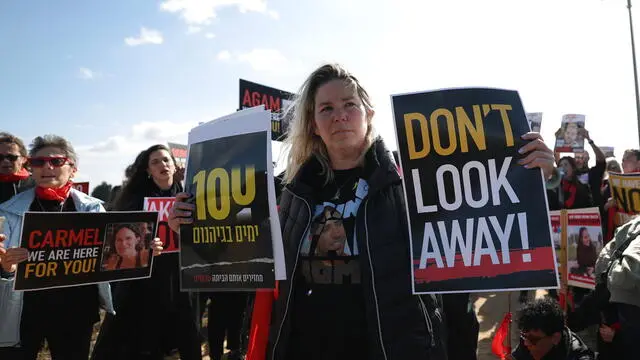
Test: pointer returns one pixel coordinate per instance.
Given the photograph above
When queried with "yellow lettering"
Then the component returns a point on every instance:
(465, 127)
(199, 181)
(437, 145)
(508, 133)
(222, 196)
(249, 182)
(411, 142)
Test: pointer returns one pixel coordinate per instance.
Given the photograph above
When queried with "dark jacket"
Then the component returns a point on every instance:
(10, 189)
(571, 347)
(594, 176)
(399, 324)
(557, 196)
(152, 315)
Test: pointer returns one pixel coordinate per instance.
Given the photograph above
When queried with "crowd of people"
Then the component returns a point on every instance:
(335, 157)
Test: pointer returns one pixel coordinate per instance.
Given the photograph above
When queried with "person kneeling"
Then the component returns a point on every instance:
(543, 335)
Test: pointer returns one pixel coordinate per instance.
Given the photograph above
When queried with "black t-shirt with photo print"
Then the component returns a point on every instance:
(328, 313)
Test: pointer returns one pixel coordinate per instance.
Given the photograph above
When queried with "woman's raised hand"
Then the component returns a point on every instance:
(538, 154)
(181, 212)
(156, 246)
(9, 258)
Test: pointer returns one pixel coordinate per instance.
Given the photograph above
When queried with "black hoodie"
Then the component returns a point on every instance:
(571, 347)
(151, 314)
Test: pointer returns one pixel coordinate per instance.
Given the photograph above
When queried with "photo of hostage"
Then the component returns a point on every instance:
(570, 134)
(329, 236)
(127, 246)
(586, 254)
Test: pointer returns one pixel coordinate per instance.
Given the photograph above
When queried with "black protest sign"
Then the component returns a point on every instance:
(275, 100)
(228, 247)
(478, 221)
(77, 248)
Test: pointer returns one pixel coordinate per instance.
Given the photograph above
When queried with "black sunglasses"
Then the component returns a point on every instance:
(10, 157)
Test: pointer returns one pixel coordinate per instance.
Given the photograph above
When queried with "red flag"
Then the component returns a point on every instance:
(501, 346)
(260, 320)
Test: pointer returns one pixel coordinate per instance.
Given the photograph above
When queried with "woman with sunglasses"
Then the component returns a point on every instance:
(14, 178)
(65, 316)
(153, 316)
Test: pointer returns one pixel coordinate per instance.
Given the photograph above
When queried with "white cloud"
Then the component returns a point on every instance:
(201, 12)
(87, 74)
(264, 59)
(210, 35)
(193, 29)
(107, 160)
(224, 55)
(147, 36)
(274, 14)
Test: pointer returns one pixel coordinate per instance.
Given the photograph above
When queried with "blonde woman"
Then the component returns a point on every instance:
(352, 300)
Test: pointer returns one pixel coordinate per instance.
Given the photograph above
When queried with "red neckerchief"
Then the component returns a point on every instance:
(572, 189)
(59, 194)
(20, 175)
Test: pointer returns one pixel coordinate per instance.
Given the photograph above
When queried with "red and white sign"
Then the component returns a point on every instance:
(584, 243)
(170, 239)
(82, 186)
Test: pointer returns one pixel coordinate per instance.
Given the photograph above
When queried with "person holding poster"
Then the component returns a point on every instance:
(631, 161)
(348, 292)
(153, 316)
(14, 178)
(614, 215)
(571, 194)
(65, 316)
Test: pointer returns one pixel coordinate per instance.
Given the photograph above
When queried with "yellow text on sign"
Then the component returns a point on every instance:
(215, 190)
(460, 128)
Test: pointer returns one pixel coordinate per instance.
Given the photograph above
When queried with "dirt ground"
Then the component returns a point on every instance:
(490, 309)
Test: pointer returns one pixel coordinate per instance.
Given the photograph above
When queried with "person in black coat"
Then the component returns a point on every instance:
(152, 316)
(345, 233)
(571, 194)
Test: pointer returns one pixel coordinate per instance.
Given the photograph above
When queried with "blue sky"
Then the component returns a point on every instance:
(86, 69)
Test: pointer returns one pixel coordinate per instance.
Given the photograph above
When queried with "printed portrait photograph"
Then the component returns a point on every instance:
(583, 244)
(328, 235)
(127, 246)
(570, 134)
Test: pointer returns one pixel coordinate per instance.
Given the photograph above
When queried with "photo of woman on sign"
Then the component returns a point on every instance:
(127, 246)
(586, 254)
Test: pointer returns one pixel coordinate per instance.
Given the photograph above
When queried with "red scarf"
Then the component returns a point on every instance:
(20, 175)
(572, 189)
(59, 194)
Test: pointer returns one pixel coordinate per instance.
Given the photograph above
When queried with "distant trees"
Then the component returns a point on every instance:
(102, 191)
